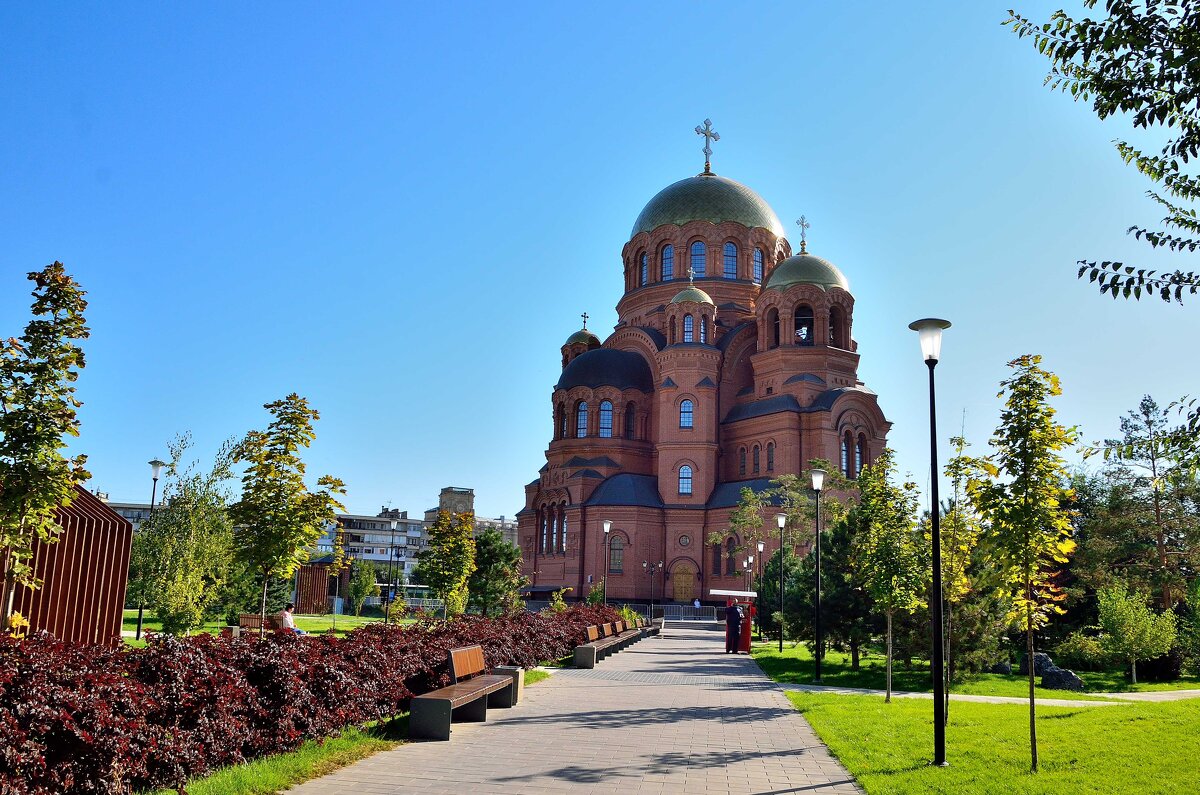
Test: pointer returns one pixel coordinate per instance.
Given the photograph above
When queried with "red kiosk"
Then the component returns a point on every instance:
(746, 600)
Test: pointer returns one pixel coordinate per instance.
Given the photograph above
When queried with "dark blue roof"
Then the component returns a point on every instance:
(759, 408)
(628, 489)
(815, 379)
(727, 338)
(599, 461)
(726, 495)
(607, 367)
(659, 338)
(586, 473)
(706, 381)
(668, 382)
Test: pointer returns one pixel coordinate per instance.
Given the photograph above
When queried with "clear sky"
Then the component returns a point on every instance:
(399, 210)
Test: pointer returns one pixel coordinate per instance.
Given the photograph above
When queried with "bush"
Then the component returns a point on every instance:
(76, 718)
(1080, 652)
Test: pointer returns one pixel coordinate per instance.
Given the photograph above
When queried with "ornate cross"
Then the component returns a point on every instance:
(710, 135)
(803, 223)
(691, 275)
(585, 317)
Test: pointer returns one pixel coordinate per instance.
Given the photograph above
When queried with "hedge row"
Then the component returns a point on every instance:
(92, 719)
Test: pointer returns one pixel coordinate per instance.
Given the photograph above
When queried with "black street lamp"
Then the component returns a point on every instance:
(156, 468)
(391, 592)
(651, 568)
(607, 552)
(818, 481)
(781, 519)
(758, 613)
(930, 331)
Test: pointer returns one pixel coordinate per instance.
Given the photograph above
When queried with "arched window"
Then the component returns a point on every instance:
(770, 456)
(836, 328)
(698, 258)
(773, 327)
(716, 559)
(848, 455)
(562, 538)
(554, 532)
(644, 272)
(545, 532)
(804, 325)
(630, 421)
(860, 454)
(758, 265)
(685, 480)
(703, 329)
(688, 328)
(668, 263)
(616, 555)
(730, 261)
(605, 419)
(685, 414)
(755, 458)
(741, 460)
(581, 419)
(730, 553)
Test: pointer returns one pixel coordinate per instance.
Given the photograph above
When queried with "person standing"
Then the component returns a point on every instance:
(733, 628)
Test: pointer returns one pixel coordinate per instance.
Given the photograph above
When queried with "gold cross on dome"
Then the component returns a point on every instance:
(585, 317)
(710, 135)
(803, 223)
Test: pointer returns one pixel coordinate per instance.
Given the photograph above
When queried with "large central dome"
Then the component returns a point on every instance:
(707, 197)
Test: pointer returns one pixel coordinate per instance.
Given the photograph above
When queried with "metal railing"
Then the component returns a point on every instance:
(687, 612)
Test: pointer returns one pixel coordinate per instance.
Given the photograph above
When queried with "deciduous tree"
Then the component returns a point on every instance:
(1019, 491)
(364, 582)
(37, 413)
(449, 560)
(278, 519)
(1131, 631)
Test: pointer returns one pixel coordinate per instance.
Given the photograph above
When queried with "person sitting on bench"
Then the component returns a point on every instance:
(288, 622)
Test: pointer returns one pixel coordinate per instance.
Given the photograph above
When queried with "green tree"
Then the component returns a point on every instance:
(449, 561)
(496, 582)
(185, 552)
(769, 615)
(889, 556)
(1019, 492)
(37, 412)
(278, 520)
(1131, 631)
(364, 582)
(1141, 60)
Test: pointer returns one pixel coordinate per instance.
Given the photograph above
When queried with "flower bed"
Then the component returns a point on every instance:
(91, 719)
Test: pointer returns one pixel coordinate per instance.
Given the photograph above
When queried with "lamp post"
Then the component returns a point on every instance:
(607, 552)
(749, 572)
(818, 482)
(758, 613)
(156, 468)
(387, 614)
(930, 331)
(781, 520)
(651, 568)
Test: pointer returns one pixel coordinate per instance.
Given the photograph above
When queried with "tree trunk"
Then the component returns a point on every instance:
(888, 698)
(10, 593)
(854, 655)
(262, 615)
(1134, 664)
(1029, 652)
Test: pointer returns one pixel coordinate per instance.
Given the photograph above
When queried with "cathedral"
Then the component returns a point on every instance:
(733, 361)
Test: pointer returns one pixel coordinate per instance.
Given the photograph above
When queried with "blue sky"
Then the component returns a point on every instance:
(400, 211)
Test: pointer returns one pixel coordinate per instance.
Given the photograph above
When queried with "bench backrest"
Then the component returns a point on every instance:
(254, 621)
(606, 630)
(619, 627)
(612, 628)
(593, 633)
(466, 662)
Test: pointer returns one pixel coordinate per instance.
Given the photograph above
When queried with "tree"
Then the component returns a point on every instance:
(888, 554)
(496, 581)
(449, 560)
(185, 553)
(278, 519)
(37, 412)
(1131, 631)
(1019, 492)
(364, 582)
(1143, 59)
(768, 591)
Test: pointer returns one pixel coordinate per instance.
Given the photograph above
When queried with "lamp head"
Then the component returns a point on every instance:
(930, 331)
(156, 468)
(760, 547)
(607, 526)
(781, 520)
(818, 479)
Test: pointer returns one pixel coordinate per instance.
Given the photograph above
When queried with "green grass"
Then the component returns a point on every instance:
(311, 760)
(310, 624)
(533, 676)
(1130, 748)
(795, 666)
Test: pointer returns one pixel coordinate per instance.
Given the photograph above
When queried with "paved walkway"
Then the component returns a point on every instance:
(668, 714)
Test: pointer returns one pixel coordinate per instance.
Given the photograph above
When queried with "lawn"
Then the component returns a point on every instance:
(795, 665)
(312, 624)
(1131, 748)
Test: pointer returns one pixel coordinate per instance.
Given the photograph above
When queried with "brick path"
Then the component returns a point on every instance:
(668, 714)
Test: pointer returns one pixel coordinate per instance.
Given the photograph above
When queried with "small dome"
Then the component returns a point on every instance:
(707, 197)
(692, 293)
(584, 336)
(806, 269)
(607, 367)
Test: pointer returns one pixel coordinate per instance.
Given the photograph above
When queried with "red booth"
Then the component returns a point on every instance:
(746, 600)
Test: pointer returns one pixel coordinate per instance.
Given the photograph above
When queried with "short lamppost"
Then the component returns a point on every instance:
(818, 482)
(607, 563)
(156, 468)
(781, 519)
(749, 572)
(387, 614)
(651, 569)
(930, 331)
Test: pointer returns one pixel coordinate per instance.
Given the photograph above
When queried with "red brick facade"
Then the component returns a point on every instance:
(739, 378)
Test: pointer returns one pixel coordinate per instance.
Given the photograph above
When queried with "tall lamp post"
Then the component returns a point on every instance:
(387, 614)
(781, 519)
(758, 613)
(651, 568)
(930, 331)
(156, 468)
(607, 552)
(818, 482)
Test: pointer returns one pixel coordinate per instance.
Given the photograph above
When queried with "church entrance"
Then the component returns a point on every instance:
(683, 582)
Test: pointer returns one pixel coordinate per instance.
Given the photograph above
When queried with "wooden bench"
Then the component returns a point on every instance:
(603, 640)
(254, 621)
(472, 691)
